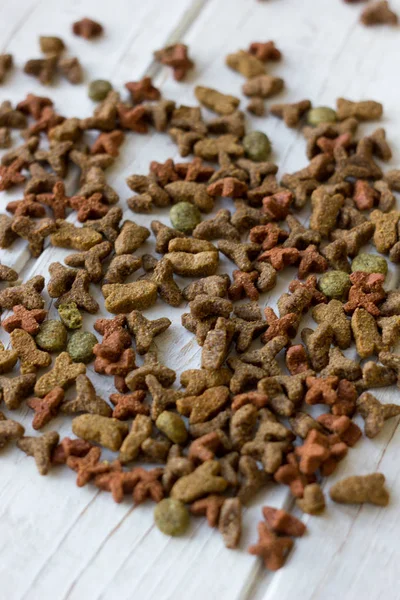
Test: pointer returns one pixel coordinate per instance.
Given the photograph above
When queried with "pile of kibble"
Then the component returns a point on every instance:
(240, 421)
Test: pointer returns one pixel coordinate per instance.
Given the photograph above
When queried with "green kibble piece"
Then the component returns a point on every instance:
(369, 263)
(321, 114)
(80, 346)
(335, 284)
(70, 315)
(52, 336)
(173, 426)
(257, 146)
(99, 89)
(184, 216)
(171, 517)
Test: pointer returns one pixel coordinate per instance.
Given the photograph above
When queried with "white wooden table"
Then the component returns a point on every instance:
(59, 542)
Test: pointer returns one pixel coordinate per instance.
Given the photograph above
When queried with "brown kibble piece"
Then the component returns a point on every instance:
(8, 359)
(129, 405)
(87, 466)
(9, 431)
(41, 448)
(123, 298)
(365, 332)
(46, 408)
(68, 447)
(140, 431)
(27, 294)
(121, 267)
(87, 28)
(63, 374)
(91, 260)
(313, 501)
(86, 400)
(230, 522)
(176, 57)
(77, 238)
(334, 315)
(201, 408)
(378, 13)
(359, 489)
(144, 330)
(385, 235)
(34, 233)
(282, 523)
(79, 293)
(105, 431)
(222, 104)
(30, 357)
(210, 507)
(271, 548)
(16, 389)
(245, 63)
(365, 110)
(291, 113)
(204, 480)
(375, 413)
(42, 68)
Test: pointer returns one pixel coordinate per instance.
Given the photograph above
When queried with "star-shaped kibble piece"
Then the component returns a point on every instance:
(244, 376)
(56, 200)
(87, 28)
(228, 187)
(175, 56)
(268, 235)
(311, 261)
(25, 319)
(46, 408)
(271, 548)
(132, 118)
(244, 285)
(34, 105)
(89, 208)
(117, 481)
(265, 51)
(280, 257)
(164, 172)
(210, 507)
(195, 170)
(281, 522)
(162, 398)
(27, 207)
(129, 405)
(240, 253)
(142, 90)
(289, 474)
(313, 452)
(88, 466)
(108, 142)
(366, 292)
(41, 448)
(144, 330)
(148, 485)
(283, 326)
(265, 356)
(11, 174)
(321, 390)
(68, 447)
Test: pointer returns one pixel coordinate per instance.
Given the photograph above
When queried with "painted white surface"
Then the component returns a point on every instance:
(59, 542)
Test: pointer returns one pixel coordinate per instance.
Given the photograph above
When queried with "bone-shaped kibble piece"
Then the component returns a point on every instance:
(31, 358)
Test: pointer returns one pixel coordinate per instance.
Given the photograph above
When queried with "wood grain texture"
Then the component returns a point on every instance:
(59, 542)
